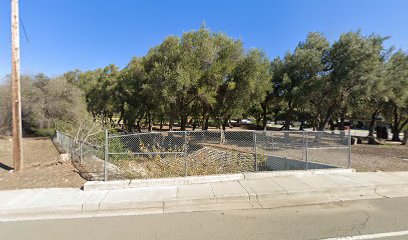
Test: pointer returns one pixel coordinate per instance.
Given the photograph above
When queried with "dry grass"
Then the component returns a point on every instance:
(389, 157)
(232, 159)
(42, 168)
(206, 161)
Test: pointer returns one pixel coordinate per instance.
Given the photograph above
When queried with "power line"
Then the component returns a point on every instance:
(24, 30)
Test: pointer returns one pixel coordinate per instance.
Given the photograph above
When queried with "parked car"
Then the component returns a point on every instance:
(245, 121)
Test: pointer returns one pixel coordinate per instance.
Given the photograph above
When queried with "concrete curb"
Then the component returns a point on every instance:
(136, 183)
(244, 201)
(253, 175)
(245, 193)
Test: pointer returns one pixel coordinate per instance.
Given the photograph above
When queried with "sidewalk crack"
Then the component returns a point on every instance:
(305, 183)
(375, 191)
(249, 200)
(212, 190)
(99, 204)
(272, 180)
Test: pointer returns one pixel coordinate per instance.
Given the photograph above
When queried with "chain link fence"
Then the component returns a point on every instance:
(88, 157)
(192, 153)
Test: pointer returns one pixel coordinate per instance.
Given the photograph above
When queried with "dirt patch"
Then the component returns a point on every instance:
(389, 157)
(41, 166)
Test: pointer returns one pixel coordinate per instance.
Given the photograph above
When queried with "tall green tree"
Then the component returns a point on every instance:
(197, 56)
(130, 98)
(295, 75)
(161, 65)
(247, 86)
(229, 53)
(397, 80)
(353, 60)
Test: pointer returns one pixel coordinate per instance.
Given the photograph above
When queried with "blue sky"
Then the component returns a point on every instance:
(87, 34)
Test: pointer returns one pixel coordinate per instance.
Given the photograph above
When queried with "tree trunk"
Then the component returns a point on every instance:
(222, 134)
(224, 124)
(288, 117)
(302, 125)
(171, 122)
(183, 122)
(287, 122)
(258, 120)
(203, 116)
(150, 122)
(331, 124)
(161, 123)
(395, 127)
(264, 115)
(372, 122)
(341, 124)
(323, 124)
(205, 124)
(122, 111)
(139, 128)
(111, 122)
(194, 124)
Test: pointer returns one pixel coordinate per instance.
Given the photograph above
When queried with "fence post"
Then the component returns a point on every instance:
(303, 146)
(349, 150)
(264, 145)
(185, 155)
(70, 147)
(105, 169)
(273, 144)
(255, 155)
(306, 151)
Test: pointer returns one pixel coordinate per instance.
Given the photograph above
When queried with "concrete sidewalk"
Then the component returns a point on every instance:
(262, 191)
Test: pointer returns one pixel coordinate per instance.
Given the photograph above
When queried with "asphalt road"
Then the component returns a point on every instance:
(307, 222)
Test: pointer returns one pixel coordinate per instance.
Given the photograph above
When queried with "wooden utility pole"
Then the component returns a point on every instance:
(15, 87)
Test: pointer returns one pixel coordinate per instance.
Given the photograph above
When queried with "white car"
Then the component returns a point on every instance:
(245, 121)
(270, 124)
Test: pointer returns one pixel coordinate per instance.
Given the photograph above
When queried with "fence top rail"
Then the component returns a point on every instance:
(63, 133)
(146, 153)
(231, 131)
(131, 134)
(322, 148)
(79, 141)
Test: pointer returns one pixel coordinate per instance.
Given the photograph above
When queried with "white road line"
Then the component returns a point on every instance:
(371, 236)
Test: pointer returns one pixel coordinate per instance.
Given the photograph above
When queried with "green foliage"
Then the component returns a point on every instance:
(46, 104)
(117, 145)
(320, 82)
(396, 79)
(179, 78)
(208, 77)
(204, 73)
(247, 86)
(45, 132)
(296, 75)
